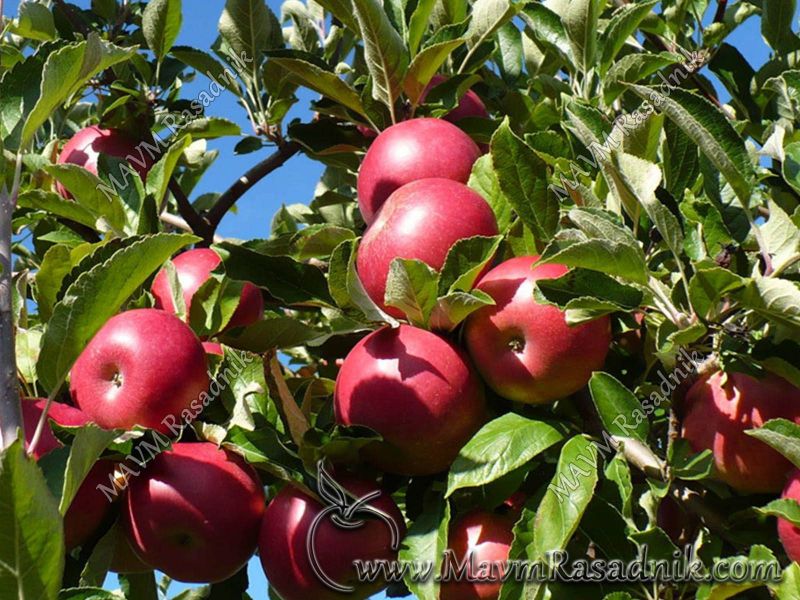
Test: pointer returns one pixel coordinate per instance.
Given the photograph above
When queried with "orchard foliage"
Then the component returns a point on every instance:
(609, 152)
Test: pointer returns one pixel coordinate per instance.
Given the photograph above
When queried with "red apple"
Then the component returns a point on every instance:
(719, 409)
(418, 391)
(85, 147)
(408, 151)
(90, 508)
(470, 104)
(63, 414)
(487, 537)
(525, 351)
(284, 537)
(141, 367)
(213, 348)
(790, 534)
(194, 512)
(421, 220)
(194, 268)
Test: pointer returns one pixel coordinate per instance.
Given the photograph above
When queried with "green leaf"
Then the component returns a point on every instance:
(782, 237)
(619, 409)
(31, 530)
(89, 593)
(483, 180)
(426, 540)
(709, 286)
(759, 557)
(622, 25)
(56, 205)
(782, 435)
(783, 508)
(632, 68)
(523, 179)
(65, 71)
(159, 174)
(501, 446)
(411, 287)
(250, 27)
(97, 295)
(35, 22)
(342, 10)
(87, 446)
(791, 165)
(161, 22)
(487, 17)
(385, 54)
(711, 130)
(418, 24)
(547, 29)
(777, 300)
(580, 24)
(465, 261)
(274, 331)
(211, 127)
(424, 67)
(453, 308)
(204, 63)
(776, 25)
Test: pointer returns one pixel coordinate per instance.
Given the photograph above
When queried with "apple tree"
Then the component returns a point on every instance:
(542, 310)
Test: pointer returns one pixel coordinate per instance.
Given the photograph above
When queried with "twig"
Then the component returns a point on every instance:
(720, 14)
(179, 223)
(224, 203)
(197, 224)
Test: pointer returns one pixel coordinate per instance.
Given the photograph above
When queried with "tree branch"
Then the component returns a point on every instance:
(224, 203)
(199, 225)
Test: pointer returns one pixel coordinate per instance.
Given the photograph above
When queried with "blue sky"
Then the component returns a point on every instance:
(295, 181)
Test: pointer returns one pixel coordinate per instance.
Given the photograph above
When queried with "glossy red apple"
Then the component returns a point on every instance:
(194, 512)
(141, 367)
(421, 220)
(470, 104)
(418, 391)
(85, 147)
(285, 532)
(63, 414)
(193, 268)
(721, 407)
(91, 507)
(408, 151)
(487, 538)
(525, 351)
(790, 534)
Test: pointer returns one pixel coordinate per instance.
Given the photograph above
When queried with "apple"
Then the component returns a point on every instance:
(721, 407)
(284, 537)
(63, 414)
(142, 366)
(194, 512)
(470, 104)
(408, 151)
(84, 149)
(193, 268)
(487, 538)
(90, 508)
(525, 351)
(790, 534)
(421, 220)
(213, 349)
(418, 391)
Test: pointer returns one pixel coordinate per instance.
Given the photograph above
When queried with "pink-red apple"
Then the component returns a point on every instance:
(84, 149)
(284, 537)
(421, 220)
(213, 349)
(194, 512)
(143, 366)
(193, 268)
(484, 540)
(63, 414)
(408, 151)
(790, 534)
(470, 104)
(720, 407)
(524, 350)
(418, 391)
(90, 508)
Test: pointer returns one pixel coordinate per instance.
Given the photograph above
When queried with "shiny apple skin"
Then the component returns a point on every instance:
(193, 268)
(63, 414)
(416, 389)
(409, 151)
(790, 534)
(194, 512)
(90, 508)
(421, 220)
(284, 532)
(525, 351)
(720, 408)
(142, 366)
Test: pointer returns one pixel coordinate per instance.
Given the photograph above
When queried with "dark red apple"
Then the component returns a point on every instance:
(194, 512)
(418, 391)
(408, 151)
(525, 351)
(470, 104)
(421, 220)
(487, 538)
(790, 534)
(85, 147)
(90, 508)
(63, 414)
(141, 367)
(194, 268)
(285, 532)
(720, 407)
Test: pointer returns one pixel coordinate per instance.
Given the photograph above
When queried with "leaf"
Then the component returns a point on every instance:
(632, 68)
(622, 25)
(411, 287)
(207, 65)
(758, 558)
(65, 71)
(501, 446)
(487, 17)
(95, 296)
(776, 24)
(783, 508)
(782, 435)
(523, 179)
(31, 530)
(56, 205)
(159, 174)
(384, 51)
(791, 165)
(418, 24)
(709, 286)
(453, 308)
(424, 67)
(777, 300)
(35, 22)
(547, 29)
(211, 127)
(342, 10)
(274, 331)
(580, 24)
(426, 540)
(250, 27)
(161, 22)
(619, 409)
(465, 262)
(708, 127)
(87, 446)
(483, 180)
(782, 237)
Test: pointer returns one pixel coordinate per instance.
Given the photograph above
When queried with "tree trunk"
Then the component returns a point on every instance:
(10, 410)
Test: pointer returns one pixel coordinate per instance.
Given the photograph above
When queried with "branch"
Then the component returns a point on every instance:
(198, 225)
(224, 203)
(179, 223)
